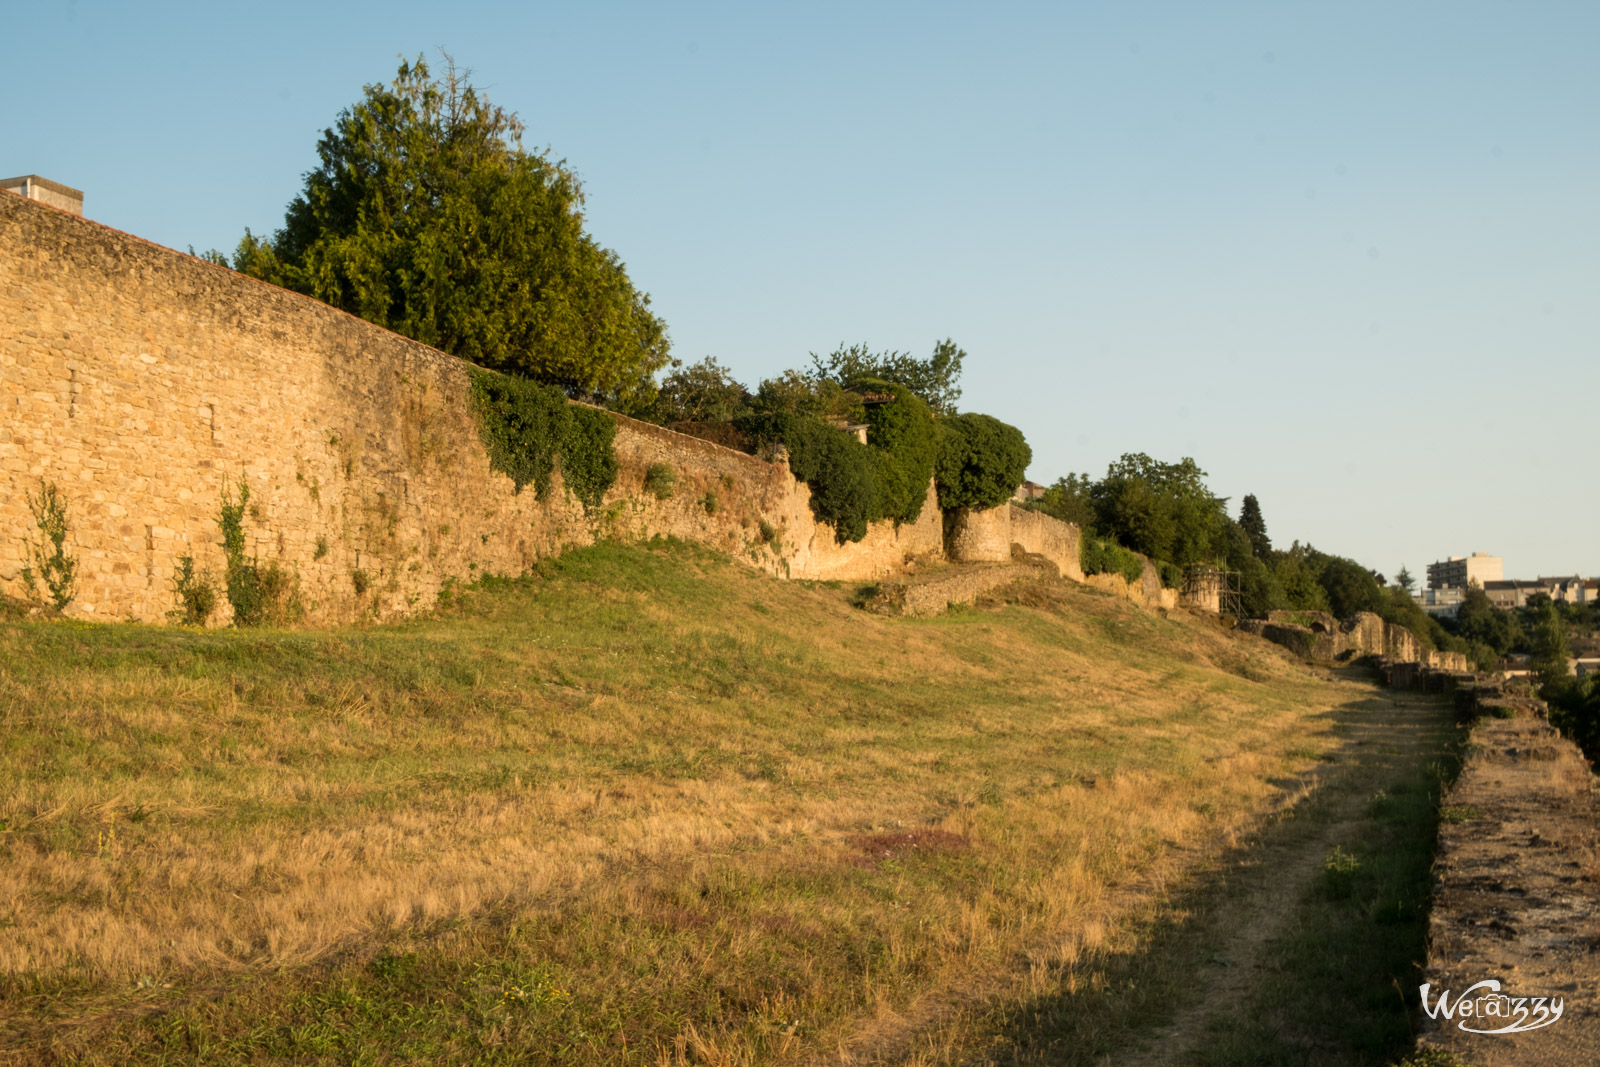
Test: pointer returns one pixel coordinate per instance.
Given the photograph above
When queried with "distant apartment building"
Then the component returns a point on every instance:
(1515, 592)
(1458, 572)
(45, 191)
(1445, 601)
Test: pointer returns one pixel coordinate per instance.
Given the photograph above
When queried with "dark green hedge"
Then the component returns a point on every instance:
(981, 461)
(526, 426)
(854, 484)
(903, 434)
(1107, 557)
(843, 474)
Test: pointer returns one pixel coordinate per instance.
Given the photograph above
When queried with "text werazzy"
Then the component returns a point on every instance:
(1483, 1003)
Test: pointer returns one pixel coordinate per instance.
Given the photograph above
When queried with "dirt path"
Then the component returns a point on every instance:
(1207, 953)
(1396, 732)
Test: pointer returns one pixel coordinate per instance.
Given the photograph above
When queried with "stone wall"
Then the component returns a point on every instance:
(1319, 637)
(1515, 898)
(978, 535)
(1039, 534)
(147, 383)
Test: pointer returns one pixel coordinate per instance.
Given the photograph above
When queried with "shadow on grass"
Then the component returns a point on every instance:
(1335, 982)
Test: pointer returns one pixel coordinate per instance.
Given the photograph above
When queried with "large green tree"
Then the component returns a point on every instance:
(426, 215)
(1405, 580)
(699, 392)
(1068, 500)
(1548, 641)
(1161, 509)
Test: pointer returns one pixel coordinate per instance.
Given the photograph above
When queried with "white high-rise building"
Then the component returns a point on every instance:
(1458, 572)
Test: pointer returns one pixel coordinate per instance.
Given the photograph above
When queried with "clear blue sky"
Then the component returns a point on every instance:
(1346, 255)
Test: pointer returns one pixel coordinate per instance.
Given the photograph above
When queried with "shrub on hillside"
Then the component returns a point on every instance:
(1097, 556)
(981, 461)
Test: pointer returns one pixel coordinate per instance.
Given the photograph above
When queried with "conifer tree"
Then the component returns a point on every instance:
(428, 217)
(1255, 527)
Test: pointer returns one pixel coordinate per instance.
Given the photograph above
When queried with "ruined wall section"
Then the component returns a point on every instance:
(993, 534)
(1039, 534)
(1321, 638)
(146, 383)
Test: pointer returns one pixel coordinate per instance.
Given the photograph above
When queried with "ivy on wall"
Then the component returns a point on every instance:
(527, 427)
(839, 469)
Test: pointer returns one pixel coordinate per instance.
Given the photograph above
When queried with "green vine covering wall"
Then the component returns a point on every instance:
(527, 426)
(839, 469)
(901, 433)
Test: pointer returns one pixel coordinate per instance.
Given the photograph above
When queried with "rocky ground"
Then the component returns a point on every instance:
(1518, 898)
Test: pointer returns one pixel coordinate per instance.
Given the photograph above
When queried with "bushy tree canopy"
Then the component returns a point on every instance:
(1163, 510)
(901, 432)
(428, 217)
(935, 379)
(699, 392)
(840, 471)
(981, 461)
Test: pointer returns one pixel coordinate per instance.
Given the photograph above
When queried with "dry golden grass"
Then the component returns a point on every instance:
(736, 819)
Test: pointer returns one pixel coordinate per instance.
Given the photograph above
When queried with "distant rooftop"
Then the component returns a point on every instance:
(45, 191)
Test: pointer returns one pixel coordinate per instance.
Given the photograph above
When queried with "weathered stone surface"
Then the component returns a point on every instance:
(1040, 535)
(1320, 638)
(1516, 897)
(934, 593)
(145, 383)
(978, 535)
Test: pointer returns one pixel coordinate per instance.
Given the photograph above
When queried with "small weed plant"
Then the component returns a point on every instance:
(197, 596)
(49, 562)
(660, 481)
(259, 593)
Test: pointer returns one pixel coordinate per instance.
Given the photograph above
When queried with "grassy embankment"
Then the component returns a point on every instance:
(644, 806)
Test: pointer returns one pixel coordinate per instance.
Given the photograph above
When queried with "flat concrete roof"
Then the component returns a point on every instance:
(54, 187)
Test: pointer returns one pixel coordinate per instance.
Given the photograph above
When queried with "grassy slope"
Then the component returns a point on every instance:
(645, 805)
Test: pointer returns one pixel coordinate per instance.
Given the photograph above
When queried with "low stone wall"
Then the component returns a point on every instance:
(993, 535)
(1516, 896)
(934, 594)
(1320, 638)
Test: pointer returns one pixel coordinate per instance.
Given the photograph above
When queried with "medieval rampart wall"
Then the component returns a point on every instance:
(146, 383)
